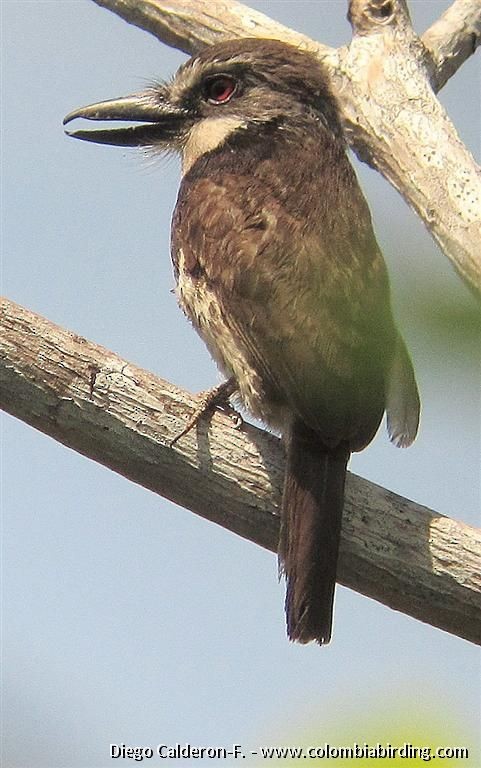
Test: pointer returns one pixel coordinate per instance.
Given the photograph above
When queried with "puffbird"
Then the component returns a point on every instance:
(278, 268)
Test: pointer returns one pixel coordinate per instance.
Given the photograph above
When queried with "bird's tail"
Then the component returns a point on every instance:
(312, 506)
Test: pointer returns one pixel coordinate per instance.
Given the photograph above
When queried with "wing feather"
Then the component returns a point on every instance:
(308, 309)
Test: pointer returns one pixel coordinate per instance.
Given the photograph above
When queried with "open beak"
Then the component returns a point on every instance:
(162, 120)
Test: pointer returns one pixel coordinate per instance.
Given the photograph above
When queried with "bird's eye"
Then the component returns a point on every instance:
(219, 89)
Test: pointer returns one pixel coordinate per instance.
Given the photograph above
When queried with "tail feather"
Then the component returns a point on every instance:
(312, 506)
(402, 406)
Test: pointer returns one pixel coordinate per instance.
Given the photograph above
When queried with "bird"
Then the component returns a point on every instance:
(278, 269)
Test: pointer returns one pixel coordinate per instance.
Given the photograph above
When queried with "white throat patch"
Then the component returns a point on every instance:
(206, 136)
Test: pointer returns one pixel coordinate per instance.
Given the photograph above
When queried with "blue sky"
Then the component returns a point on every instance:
(127, 619)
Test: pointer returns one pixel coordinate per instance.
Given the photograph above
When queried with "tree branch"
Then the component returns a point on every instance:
(453, 39)
(190, 25)
(397, 125)
(383, 82)
(393, 550)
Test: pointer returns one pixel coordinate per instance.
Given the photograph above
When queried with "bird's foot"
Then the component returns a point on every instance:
(217, 397)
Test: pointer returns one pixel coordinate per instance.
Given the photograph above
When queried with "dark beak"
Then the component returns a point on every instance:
(162, 120)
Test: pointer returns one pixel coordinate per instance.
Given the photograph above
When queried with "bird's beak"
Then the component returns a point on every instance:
(162, 120)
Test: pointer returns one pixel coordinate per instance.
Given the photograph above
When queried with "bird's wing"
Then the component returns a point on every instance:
(311, 311)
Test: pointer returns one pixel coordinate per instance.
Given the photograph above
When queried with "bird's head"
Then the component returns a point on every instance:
(228, 87)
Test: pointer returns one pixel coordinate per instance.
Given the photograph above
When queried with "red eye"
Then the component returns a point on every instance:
(219, 89)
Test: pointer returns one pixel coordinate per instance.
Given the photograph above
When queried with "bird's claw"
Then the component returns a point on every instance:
(218, 397)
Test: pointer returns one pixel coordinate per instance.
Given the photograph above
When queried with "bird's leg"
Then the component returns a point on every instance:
(217, 397)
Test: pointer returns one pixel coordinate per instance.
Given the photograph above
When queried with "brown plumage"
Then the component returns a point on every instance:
(278, 269)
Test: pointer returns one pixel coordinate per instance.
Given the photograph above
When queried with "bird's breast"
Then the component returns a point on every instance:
(225, 340)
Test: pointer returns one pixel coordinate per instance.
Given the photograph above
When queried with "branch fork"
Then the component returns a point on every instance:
(393, 550)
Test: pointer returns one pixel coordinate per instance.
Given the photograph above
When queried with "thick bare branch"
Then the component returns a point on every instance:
(396, 124)
(192, 24)
(452, 39)
(393, 550)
